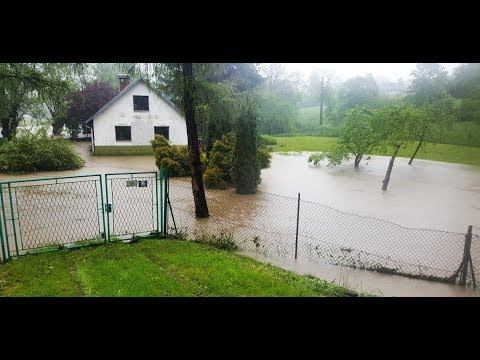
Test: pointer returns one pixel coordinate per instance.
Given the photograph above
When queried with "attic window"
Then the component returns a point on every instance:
(140, 103)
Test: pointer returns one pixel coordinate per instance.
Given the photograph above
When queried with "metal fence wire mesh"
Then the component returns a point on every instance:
(266, 223)
(133, 199)
(48, 213)
(52, 213)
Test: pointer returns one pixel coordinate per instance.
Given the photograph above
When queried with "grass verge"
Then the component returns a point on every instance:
(153, 268)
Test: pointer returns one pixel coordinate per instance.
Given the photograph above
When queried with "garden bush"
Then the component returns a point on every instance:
(266, 140)
(175, 157)
(38, 152)
(212, 179)
(219, 171)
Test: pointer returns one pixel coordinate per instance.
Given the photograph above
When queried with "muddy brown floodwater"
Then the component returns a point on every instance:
(427, 195)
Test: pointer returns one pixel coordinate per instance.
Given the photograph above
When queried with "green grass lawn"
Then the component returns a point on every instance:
(153, 268)
(465, 133)
(439, 152)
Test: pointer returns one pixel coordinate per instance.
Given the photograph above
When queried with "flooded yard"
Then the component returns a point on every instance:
(345, 219)
(429, 194)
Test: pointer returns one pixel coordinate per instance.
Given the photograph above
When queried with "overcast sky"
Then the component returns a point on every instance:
(393, 71)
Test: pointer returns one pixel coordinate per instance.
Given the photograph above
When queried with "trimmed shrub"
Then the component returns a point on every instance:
(246, 167)
(212, 179)
(175, 157)
(264, 157)
(221, 160)
(38, 152)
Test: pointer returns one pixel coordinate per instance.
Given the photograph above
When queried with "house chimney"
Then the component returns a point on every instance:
(124, 80)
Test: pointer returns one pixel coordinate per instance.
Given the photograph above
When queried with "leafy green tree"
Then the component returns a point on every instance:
(465, 86)
(246, 167)
(429, 91)
(358, 136)
(429, 84)
(432, 123)
(279, 94)
(19, 84)
(276, 113)
(218, 88)
(54, 99)
(358, 91)
(395, 125)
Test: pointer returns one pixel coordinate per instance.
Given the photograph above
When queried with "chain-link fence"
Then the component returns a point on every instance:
(267, 223)
(48, 214)
(133, 200)
(45, 214)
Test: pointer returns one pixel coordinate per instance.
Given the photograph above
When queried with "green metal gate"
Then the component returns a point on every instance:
(132, 205)
(51, 213)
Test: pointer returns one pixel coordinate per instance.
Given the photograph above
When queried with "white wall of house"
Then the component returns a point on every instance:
(142, 123)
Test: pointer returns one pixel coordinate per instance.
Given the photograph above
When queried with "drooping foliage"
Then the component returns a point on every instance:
(20, 84)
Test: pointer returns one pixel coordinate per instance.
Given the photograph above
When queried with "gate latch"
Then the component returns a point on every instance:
(108, 208)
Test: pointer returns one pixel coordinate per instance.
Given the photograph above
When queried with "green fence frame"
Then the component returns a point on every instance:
(7, 203)
(164, 188)
(159, 198)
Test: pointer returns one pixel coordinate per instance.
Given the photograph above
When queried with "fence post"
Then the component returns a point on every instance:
(107, 213)
(102, 204)
(161, 199)
(156, 201)
(296, 232)
(165, 208)
(13, 219)
(4, 256)
(466, 256)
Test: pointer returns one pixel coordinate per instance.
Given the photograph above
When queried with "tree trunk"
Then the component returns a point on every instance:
(390, 166)
(9, 125)
(418, 148)
(201, 209)
(57, 125)
(6, 130)
(358, 158)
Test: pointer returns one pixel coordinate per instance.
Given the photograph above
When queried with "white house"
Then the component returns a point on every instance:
(128, 122)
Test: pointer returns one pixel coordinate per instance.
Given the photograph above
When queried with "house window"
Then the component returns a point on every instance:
(123, 133)
(140, 103)
(162, 130)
